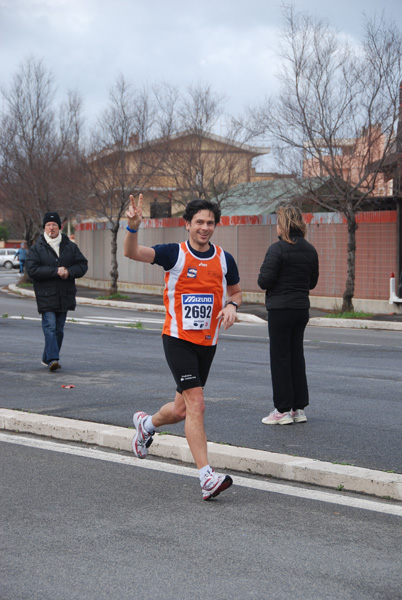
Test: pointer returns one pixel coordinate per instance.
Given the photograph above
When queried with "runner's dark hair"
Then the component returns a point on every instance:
(194, 206)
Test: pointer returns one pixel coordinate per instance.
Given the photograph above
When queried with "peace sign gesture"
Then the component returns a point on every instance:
(134, 213)
(131, 247)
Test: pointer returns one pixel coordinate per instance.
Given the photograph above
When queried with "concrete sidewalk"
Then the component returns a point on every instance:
(245, 460)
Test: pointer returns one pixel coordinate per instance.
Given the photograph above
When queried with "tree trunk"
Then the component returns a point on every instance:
(347, 305)
(30, 233)
(114, 271)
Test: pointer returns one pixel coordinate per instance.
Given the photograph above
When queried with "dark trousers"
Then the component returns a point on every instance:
(288, 370)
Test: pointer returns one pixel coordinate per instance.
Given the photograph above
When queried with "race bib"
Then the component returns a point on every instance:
(197, 310)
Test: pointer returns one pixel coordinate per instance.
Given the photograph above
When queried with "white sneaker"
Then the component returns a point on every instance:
(277, 418)
(214, 484)
(142, 439)
(298, 416)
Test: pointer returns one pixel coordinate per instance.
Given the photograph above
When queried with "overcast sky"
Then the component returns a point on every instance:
(230, 44)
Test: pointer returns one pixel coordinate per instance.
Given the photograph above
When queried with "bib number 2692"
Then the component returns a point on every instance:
(197, 310)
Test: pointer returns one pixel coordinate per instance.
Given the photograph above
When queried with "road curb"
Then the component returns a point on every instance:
(244, 460)
(355, 323)
(241, 317)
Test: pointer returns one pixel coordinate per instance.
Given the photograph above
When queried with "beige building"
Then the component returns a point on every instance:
(353, 159)
(170, 171)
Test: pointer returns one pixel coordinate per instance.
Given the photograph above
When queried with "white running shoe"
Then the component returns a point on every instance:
(214, 484)
(277, 418)
(298, 416)
(142, 439)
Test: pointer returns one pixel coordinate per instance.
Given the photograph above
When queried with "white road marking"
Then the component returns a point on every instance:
(22, 318)
(119, 322)
(256, 484)
(114, 320)
(339, 343)
(96, 320)
(119, 319)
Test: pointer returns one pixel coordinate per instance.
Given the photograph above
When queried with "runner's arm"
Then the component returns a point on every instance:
(131, 247)
(228, 313)
(234, 294)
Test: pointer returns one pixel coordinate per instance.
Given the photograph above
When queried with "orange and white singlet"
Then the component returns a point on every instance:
(194, 294)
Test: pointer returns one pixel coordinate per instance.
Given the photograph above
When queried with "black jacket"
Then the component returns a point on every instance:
(288, 272)
(52, 292)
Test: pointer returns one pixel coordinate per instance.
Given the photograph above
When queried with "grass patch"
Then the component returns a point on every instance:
(137, 325)
(4, 316)
(350, 315)
(25, 285)
(117, 296)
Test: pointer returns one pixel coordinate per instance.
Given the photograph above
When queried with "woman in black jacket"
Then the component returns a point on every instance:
(288, 273)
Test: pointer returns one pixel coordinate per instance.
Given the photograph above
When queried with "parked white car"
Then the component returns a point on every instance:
(7, 259)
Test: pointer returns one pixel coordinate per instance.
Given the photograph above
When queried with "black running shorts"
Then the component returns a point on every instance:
(189, 363)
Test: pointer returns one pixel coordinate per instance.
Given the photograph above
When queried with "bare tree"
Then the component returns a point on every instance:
(119, 163)
(335, 114)
(40, 156)
(196, 161)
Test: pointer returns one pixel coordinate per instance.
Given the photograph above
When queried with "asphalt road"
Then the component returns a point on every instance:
(83, 523)
(354, 377)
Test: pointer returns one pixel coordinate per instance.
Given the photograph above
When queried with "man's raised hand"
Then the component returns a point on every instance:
(134, 213)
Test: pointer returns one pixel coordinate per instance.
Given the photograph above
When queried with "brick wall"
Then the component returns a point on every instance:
(376, 253)
(248, 238)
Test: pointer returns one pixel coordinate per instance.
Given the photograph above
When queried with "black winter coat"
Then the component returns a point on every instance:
(52, 292)
(288, 272)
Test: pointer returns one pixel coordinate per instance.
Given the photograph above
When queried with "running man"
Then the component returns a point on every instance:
(202, 292)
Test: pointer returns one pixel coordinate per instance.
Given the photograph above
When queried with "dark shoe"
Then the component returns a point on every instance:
(44, 363)
(54, 365)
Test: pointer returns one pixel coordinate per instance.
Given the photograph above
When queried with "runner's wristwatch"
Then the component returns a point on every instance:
(234, 304)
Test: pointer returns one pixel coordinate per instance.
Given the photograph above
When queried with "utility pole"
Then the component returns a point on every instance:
(397, 187)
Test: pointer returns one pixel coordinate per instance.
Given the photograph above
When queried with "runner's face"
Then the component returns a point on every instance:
(200, 229)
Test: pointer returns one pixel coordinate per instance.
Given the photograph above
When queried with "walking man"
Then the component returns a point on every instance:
(202, 292)
(54, 263)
